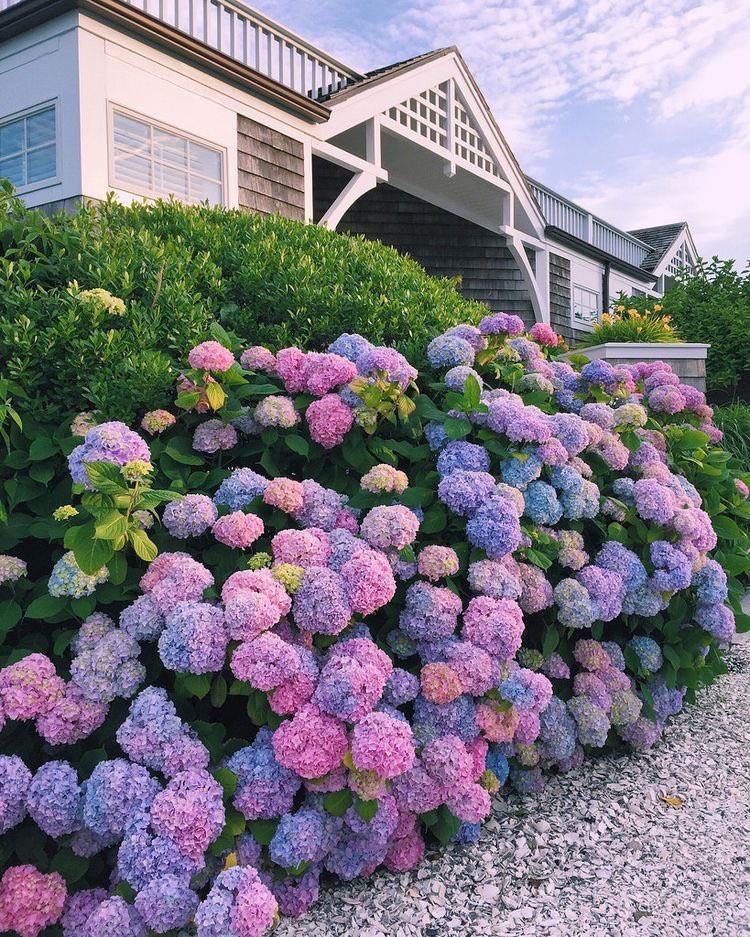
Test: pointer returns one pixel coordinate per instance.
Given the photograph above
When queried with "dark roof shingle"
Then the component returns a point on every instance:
(660, 238)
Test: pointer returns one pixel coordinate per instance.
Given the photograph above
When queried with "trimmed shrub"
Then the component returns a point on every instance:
(179, 270)
(320, 613)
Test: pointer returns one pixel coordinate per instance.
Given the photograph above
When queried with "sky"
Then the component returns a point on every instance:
(639, 110)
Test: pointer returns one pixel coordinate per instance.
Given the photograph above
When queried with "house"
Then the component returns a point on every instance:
(209, 99)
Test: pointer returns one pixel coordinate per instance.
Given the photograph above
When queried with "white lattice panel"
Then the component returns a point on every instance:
(468, 141)
(439, 118)
(425, 115)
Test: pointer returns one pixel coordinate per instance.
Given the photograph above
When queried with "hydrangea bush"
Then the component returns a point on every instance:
(329, 607)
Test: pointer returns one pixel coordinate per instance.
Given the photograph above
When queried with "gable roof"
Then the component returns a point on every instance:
(660, 238)
(386, 71)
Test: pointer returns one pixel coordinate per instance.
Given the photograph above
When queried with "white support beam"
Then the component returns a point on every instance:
(334, 154)
(450, 127)
(354, 189)
(372, 142)
(539, 297)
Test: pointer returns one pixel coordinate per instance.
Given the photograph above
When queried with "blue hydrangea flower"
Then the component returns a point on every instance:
(54, 799)
(447, 351)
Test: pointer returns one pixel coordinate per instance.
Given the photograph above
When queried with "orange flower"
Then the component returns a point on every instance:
(657, 307)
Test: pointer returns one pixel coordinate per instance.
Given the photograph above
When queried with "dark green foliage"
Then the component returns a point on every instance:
(179, 269)
(734, 421)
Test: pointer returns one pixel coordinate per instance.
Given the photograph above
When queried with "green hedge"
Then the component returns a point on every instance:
(179, 269)
(714, 307)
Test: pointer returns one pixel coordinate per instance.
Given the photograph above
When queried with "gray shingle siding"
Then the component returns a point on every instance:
(444, 244)
(271, 169)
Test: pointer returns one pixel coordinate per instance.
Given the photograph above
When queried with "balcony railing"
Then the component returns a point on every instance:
(573, 219)
(247, 36)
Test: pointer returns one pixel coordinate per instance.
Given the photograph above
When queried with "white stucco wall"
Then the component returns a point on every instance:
(40, 67)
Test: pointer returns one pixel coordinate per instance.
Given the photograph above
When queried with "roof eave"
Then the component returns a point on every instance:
(24, 16)
(595, 253)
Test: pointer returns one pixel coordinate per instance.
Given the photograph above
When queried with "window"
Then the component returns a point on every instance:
(585, 305)
(28, 147)
(681, 262)
(152, 161)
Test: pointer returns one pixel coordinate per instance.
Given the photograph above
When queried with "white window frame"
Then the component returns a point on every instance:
(114, 109)
(52, 104)
(586, 325)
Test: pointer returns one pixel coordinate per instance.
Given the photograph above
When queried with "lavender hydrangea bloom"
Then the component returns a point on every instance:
(349, 346)
(116, 795)
(191, 516)
(463, 456)
(106, 663)
(15, 778)
(109, 442)
(143, 856)
(194, 639)
(54, 799)
(495, 527)
(541, 504)
(448, 351)
(298, 838)
(574, 604)
(648, 652)
(240, 489)
(166, 903)
(463, 492)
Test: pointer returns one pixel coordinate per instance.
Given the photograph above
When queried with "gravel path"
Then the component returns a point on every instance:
(599, 853)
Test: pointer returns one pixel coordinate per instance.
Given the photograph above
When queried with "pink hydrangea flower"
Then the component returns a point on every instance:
(285, 494)
(30, 687)
(368, 581)
(390, 527)
(405, 853)
(258, 358)
(440, 683)
(494, 624)
(310, 743)
(29, 900)
(329, 420)
(309, 547)
(544, 334)
(436, 562)
(214, 436)
(71, 718)
(382, 744)
(211, 356)
(266, 662)
(238, 530)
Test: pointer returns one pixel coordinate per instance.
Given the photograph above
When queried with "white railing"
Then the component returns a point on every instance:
(249, 37)
(573, 219)
(255, 40)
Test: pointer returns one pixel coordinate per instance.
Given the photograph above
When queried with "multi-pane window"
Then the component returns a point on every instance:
(28, 147)
(152, 161)
(682, 261)
(585, 305)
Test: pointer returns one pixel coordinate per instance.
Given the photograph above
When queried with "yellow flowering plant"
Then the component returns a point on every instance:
(634, 319)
